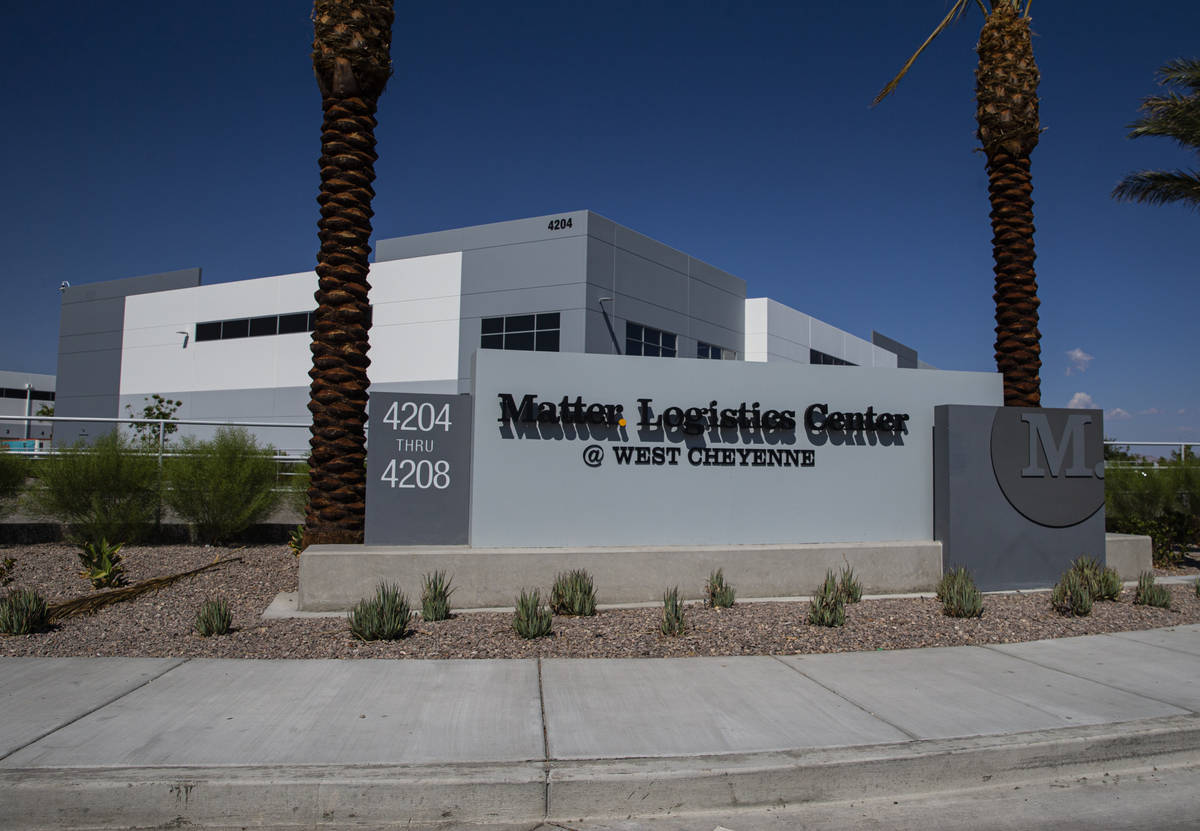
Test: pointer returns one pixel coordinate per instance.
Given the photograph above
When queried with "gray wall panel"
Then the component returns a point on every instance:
(719, 307)
(718, 336)
(717, 278)
(643, 246)
(480, 236)
(646, 314)
(91, 327)
(650, 281)
(525, 265)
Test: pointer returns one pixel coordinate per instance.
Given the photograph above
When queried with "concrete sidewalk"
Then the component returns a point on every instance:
(118, 743)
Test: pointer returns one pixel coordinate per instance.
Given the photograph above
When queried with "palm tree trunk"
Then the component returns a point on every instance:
(337, 487)
(1018, 348)
(1006, 87)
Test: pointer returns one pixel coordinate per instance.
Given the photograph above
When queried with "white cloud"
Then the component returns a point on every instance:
(1117, 414)
(1181, 412)
(1081, 401)
(1151, 411)
(1079, 360)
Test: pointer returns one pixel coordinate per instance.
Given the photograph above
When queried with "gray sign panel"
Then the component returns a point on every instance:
(1019, 492)
(599, 450)
(419, 469)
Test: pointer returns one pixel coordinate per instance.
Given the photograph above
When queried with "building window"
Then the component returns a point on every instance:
(715, 353)
(528, 333)
(35, 395)
(646, 340)
(256, 327)
(815, 356)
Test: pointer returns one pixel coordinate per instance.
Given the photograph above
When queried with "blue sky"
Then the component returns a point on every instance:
(153, 136)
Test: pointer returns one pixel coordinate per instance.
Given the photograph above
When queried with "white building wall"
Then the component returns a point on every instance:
(776, 332)
(414, 333)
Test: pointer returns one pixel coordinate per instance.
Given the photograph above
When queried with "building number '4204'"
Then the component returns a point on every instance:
(560, 224)
(424, 417)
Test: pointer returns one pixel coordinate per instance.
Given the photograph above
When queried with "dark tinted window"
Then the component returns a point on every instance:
(293, 323)
(263, 325)
(235, 328)
(208, 331)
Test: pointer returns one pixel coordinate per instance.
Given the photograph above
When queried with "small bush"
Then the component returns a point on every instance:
(848, 586)
(1088, 571)
(672, 623)
(222, 487)
(381, 618)
(532, 618)
(296, 540)
(959, 595)
(435, 596)
(717, 593)
(1109, 586)
(828, 607)
(1150, 594)
(573, 594)
(101, 563)
(7, 567)
(106, 491)
(13, 471)
(1071, 595)
(22, 612)
(214, 618)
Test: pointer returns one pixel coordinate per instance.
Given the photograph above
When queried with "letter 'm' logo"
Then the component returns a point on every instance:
(1049, 463)
(1055, 449)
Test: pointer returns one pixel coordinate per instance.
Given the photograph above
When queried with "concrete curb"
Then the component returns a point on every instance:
(527, 793)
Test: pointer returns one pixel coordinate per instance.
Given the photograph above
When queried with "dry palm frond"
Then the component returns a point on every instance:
(91, 603)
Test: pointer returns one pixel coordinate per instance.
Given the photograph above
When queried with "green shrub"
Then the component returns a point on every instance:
(1109, 587)
(573, 594)
(717, 593)
(7, 567)
(296, 540)
(1071, 595)
(848, 586)
(959, 595)
(23, 611)
(435, 596)
(101, 563)
(214, 618)
(13, 471)
(532, 618)
(672, 622)
(1088, 571)
(1160, 501)
(222, 487)
(381, 618)
(108, 491)
(828, 607)
(1150, 594)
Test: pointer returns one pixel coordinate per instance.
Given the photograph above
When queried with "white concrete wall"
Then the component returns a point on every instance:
(776, 332)
(414, 336)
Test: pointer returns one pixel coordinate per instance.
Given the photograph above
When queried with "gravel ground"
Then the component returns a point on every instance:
(159, 624)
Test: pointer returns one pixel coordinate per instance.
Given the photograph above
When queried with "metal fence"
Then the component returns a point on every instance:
(161, 434)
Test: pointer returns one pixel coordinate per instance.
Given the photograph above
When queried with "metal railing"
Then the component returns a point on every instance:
(161, 432)
(1182, 445)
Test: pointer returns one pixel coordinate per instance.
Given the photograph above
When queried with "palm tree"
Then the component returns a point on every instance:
(352, 61)
(1174, 116)
(1006, 111)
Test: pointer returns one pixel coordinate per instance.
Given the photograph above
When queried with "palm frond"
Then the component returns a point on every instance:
(1184, 71)
(90, 603)
(957, 10)
(1160, 187)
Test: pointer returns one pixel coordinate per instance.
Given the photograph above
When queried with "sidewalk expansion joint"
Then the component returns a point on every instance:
(546, 766)
(179, 662)
(848, 700)
(1125, 637)
(1111, 686)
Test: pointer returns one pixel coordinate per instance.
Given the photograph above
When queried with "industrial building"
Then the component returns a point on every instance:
(571, 282)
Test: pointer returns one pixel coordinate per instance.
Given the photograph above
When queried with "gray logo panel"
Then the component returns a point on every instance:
(1049, 463)
(419, 469)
